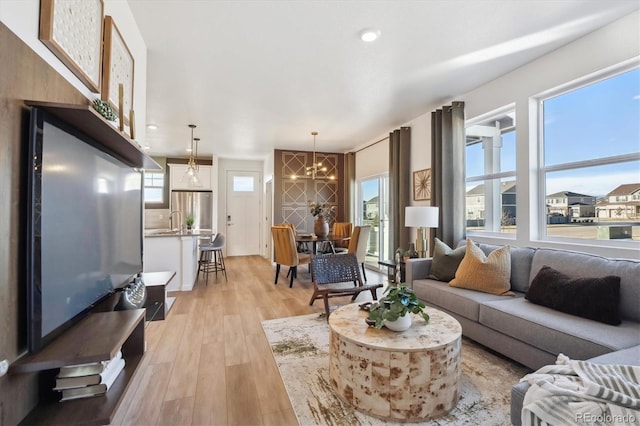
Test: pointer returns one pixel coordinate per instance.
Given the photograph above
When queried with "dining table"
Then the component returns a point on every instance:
(315, 239)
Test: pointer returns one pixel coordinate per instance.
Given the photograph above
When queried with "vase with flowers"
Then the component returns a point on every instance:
(323, 214)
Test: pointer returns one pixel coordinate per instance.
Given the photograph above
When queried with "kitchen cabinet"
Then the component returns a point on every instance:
(178, 180)
(177, 253)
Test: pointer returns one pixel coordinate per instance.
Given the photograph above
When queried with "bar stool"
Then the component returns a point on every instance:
(212, 259)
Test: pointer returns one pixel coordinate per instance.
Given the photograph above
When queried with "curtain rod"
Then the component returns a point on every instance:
(372, 144)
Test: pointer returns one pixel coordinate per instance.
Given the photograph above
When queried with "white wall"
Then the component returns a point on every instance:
(23, 18)
(611, 45)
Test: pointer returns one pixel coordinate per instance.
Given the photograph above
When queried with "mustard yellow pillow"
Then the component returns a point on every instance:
(490, 274)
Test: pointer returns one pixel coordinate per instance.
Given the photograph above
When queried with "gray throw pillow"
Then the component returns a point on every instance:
(445, 261)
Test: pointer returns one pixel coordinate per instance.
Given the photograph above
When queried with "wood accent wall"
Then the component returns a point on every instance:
(290, 196)
(23, 76)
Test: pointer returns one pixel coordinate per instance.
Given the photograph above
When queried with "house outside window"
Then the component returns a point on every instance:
(491, 172)
(590, 159)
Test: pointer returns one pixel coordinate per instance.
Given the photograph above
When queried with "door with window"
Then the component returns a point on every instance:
(373, 210)
(243, 213)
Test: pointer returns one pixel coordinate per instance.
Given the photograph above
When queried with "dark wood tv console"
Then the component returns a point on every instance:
(158, 303)
(97, 337)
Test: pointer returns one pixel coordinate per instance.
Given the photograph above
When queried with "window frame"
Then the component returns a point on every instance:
(541, 170)
(486, 177)
(156, 204)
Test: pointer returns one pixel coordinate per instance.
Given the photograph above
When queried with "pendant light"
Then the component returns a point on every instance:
(316, 170)
(191, 175)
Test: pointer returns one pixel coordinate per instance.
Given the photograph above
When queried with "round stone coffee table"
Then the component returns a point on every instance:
(407, 376)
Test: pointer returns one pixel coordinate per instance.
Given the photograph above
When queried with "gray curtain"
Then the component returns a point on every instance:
(447, 172)
(349, 186)
(399, 186)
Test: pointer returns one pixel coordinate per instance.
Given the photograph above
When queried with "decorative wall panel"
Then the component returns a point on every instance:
(298, 216)
(292, 195)
(294, 164)
(294, 192)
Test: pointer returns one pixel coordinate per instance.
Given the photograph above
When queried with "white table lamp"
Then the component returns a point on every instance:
(421, 217)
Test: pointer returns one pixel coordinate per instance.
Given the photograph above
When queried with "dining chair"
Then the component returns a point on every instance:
(336, 275)
(358, 245)
(286, 253)
(302, 247)
(341, 229)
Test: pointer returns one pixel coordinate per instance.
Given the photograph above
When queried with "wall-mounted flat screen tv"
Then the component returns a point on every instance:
(84, 230)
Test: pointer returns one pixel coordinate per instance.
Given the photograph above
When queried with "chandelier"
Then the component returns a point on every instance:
(316, 169)
(191, 175)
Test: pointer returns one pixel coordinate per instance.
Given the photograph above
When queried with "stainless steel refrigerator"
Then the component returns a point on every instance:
(197, 203)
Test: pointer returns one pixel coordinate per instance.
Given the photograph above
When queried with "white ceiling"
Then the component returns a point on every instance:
(261, 75)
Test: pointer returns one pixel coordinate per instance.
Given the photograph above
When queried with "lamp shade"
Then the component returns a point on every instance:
(421, 216)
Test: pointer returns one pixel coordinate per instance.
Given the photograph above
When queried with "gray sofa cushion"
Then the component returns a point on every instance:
(582, 265)
(521, 258)
(629, 356)
(557, 332)
(461, 301)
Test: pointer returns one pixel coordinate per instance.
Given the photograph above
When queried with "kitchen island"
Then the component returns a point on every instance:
(166, 249)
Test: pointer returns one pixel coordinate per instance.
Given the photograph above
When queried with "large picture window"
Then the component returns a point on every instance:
(590, 160)
(491, 173)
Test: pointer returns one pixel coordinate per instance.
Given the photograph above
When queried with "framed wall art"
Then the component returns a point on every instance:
(422, 185)
(72, 30)
(118, 69)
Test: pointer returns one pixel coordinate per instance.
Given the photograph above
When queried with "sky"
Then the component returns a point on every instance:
(596, 121)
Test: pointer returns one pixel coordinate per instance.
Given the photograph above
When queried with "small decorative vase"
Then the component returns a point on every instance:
(320, 226)
(401, 324)
(412, 253)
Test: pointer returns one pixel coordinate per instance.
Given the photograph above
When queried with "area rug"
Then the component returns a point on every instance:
(300, 346)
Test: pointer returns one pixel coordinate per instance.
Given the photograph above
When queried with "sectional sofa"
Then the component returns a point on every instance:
(531, 334)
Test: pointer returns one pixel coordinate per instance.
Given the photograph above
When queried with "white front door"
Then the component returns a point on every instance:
(243, 213)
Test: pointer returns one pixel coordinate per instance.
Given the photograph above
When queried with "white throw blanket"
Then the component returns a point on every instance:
(582, 393)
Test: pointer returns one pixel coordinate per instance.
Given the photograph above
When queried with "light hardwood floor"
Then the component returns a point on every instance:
(209, 362)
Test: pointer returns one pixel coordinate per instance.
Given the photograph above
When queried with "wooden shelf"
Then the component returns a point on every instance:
(88, 121)
(98, 410)
(98, 337)
(156, 283)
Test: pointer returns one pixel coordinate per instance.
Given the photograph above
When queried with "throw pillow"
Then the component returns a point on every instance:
(592, 298)
(445, 261)
(490, 274)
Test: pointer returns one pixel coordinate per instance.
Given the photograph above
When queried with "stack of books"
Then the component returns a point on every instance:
(88, 380)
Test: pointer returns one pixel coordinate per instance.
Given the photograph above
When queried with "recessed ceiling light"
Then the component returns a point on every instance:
(369, 34)
(152, 126)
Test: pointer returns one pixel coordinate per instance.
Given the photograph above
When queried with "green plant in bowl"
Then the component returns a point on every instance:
(189, 221)
(396, 302)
